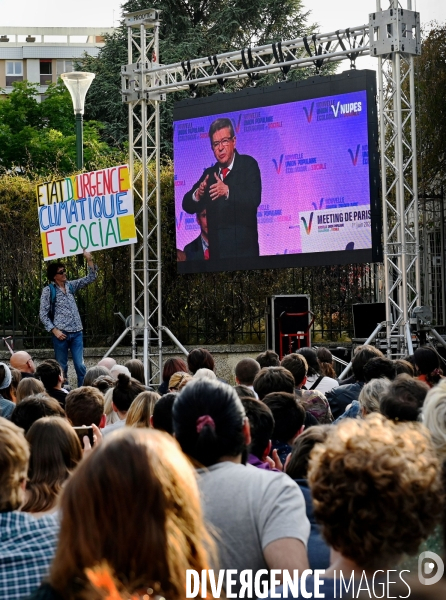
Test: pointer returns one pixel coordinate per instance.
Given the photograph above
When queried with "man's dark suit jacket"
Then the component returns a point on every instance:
(232, 222)
(194, 250)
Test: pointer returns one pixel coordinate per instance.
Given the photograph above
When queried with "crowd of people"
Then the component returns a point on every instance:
(115, 490)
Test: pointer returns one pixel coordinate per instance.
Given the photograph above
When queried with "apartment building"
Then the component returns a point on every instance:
(41, 54)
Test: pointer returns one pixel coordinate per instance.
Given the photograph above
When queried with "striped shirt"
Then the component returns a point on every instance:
(27, 547)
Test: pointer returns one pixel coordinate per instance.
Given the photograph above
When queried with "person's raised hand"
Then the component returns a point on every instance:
(218, 189)
(202, 188)
(87, 255)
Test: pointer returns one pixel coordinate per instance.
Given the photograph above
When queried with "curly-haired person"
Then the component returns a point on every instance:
(377, 494)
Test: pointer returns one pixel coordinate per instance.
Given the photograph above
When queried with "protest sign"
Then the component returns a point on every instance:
(92, 211)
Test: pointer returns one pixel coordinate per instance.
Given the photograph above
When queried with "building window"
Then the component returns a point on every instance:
(14, 71)
(64, 66)
(46, 71)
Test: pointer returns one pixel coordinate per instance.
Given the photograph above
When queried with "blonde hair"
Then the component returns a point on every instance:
(371, 394)
(141, 409)
(110, 415)
(179, 380)
(434, 417)
(376, 489)
(14, 457)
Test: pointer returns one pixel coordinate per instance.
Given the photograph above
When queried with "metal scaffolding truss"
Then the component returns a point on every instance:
(393, 36)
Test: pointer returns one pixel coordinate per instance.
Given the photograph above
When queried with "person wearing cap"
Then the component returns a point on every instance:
(6, 406)
(61, 315)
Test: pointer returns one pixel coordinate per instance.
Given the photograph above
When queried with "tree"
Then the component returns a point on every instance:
(40, 137)
(191, 29)
(430, 92)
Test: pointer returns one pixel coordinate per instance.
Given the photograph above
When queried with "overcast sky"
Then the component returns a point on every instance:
(329, 14)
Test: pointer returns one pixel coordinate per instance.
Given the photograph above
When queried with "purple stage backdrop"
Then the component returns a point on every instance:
(313, 159)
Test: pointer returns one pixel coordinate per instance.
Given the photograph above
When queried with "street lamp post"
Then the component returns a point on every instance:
(78, 84)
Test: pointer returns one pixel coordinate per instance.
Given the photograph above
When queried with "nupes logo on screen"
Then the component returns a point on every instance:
(307, 227)
(237, 125)
(309, 115)
(356, 156)
(278, 165)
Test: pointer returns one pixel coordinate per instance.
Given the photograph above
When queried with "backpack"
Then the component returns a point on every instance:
(52, 287)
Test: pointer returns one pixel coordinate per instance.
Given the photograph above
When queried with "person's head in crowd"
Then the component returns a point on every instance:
(209, 422)
(371, 395)
(178, 381)
(434, 417)
(110, 415)
(124, 392)
(404, 399)
(361, 357)
(55, 452)
(141, 409)
(205, 374)
(14, 456)
(311, 357)
(117, 369)
(289, 416)
(136, 368)
(297, 465)
(28, 386)
(50, 374)
(245, 371)
(52, 268)
(23, 362)
(162, 413)
(297, 365)
(146, 516)
(404, 366)
(35, 407)
(261, 422)
(5, 378)
(85, 406)
(10, 393)
(93, 373)
(377, 367)
(317, 405)
(273, 379)
(171, 366)
(376, 490)
(108, 362)
(325, 358)
(269, 358)
(244, 392)
(427, 364)
(200, 358)
(103, 383)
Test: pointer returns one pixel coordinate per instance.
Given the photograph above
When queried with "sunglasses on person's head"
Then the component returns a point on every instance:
(61, 272)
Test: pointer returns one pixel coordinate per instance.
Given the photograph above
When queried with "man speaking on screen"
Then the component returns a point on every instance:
(230, 191)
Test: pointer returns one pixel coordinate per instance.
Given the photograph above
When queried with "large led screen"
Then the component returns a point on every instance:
(280, 176)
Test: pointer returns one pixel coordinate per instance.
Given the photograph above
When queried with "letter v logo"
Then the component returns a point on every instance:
(336, 110)
(354, 158)
(178, 221)
(278, 166)
(237, 125)
(310, 114)
(307, 227)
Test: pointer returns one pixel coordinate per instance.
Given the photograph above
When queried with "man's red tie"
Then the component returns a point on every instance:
(206, 254)
(224, 172)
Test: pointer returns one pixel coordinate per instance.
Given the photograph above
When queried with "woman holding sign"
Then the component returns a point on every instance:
(59, 314)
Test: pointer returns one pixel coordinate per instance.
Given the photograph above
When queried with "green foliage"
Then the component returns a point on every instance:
(39, 138)
(191, 29)
(430, 92)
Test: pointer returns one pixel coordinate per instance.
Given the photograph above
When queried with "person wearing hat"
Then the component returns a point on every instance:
(6, 406)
